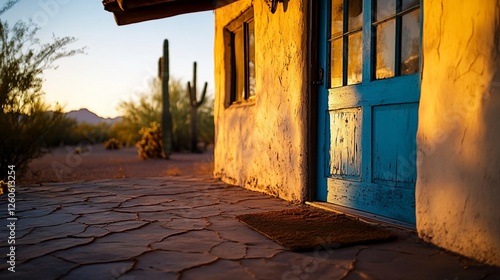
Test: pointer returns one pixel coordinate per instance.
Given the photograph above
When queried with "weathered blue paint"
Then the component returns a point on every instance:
(344, 149)
(393, 145)
(367, 137)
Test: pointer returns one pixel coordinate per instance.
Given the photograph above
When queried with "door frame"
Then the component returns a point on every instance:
(313, 23)
(316, 32)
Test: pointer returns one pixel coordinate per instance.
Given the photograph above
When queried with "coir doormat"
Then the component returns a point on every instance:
(307, 228)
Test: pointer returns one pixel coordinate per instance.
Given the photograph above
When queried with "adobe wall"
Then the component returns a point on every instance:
(458, 186)
(262, 146)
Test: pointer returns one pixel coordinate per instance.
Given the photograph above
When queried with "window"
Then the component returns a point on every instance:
(393, 36)
(346, 42)
(242, 62)
(397, 27)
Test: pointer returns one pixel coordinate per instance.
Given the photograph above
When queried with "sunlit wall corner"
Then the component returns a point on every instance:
(458, 159)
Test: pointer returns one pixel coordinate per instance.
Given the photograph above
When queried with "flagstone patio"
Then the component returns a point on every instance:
(184, 228)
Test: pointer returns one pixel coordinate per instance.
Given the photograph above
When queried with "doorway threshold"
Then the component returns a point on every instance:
(363, 216)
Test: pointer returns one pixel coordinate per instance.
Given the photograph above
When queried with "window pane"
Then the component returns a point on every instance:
(251, 59)
(337, 17)
(355, 14)
(355, 55)
(410, 43)
(239, 56)
(410, 3)
(336, 63)
(385, 49)
(385, 9)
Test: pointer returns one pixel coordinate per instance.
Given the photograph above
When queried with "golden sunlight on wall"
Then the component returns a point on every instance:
(261, 145)
(458, 186)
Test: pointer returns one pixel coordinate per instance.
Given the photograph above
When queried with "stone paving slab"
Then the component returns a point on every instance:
(185, 228)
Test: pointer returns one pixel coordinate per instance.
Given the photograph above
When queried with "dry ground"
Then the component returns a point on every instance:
(64, 165)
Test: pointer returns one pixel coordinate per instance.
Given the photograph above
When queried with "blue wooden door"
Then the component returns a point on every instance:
(368, 105)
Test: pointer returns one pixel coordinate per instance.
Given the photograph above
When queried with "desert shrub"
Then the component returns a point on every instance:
(25, 119)
(126, 133)
(81, 149)
(62, 133)
(91, 133)
(69, 132)
(3, 187)
(150, 145)
(112, 144)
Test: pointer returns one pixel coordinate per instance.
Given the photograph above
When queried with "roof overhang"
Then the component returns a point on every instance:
(133, 11)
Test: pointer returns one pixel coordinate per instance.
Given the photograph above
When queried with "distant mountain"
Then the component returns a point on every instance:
(84, 115)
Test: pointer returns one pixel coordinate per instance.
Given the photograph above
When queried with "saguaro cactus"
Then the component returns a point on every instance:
(195, 104)
(166, 116)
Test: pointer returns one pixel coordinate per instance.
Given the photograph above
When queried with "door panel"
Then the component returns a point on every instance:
(393, 152)
(367, 133)
(345, 139)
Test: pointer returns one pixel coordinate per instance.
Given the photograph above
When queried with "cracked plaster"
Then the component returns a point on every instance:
(457, 187)
(266, 135)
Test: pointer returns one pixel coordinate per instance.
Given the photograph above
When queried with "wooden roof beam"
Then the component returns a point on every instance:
(126, 5)
(133, 11)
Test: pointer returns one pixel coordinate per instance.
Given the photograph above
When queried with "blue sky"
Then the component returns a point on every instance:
(119, 60)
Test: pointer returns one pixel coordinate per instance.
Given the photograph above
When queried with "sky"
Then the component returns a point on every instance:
(119, 61)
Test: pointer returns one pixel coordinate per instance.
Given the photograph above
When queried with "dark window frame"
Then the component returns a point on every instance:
(241, 24)
(397, 17)
(343, 37)
(370, 29)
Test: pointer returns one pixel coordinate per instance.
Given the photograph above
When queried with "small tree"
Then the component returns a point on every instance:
(25, 119)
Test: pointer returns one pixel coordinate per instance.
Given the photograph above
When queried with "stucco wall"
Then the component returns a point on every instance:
(262, 146)
(458, 186)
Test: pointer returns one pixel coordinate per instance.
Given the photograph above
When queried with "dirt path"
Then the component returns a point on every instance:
(63, 165)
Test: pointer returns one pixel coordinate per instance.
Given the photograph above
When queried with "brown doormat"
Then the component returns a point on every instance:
(306, 228)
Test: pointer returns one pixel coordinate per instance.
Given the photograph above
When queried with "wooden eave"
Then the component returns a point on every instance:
(133, 11)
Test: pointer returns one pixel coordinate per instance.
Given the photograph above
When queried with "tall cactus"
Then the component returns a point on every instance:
(195, 104)
(166, 116)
